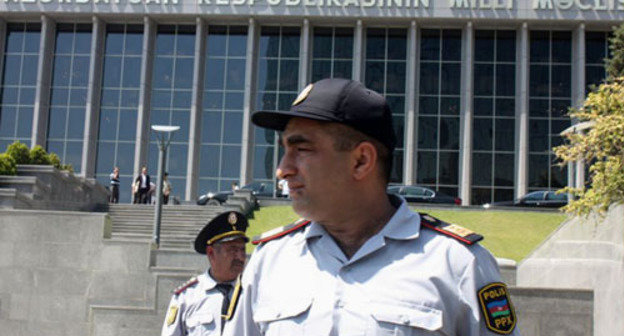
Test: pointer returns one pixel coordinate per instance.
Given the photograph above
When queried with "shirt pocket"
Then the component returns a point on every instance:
(201, 325)
(284, 317)
(405, 320)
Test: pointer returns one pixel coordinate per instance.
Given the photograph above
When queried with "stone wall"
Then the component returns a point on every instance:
(584, 253)
(59, 275)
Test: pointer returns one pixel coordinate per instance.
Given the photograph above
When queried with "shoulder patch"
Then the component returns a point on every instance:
(280, 231)
(455, 231)
(172, 314)
(186, 285)
(498, 312)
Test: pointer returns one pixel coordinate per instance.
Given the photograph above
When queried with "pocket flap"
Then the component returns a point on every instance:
(274, 311)
(197, 320)
(411, 315)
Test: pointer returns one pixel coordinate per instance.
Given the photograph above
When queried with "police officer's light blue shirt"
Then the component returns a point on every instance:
(405, 280)
(196, 311)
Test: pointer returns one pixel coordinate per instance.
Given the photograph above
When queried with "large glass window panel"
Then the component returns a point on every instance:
(174, 50)
(482, 169)
(70, 76)
(278, 74)
(332, 53)
(222, 116)
(386, 62)
(119, 99)
(494, 123)
(549, 98)
(19, 82)
(596, 50)
(439, 97)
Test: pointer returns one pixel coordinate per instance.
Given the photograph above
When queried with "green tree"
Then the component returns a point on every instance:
(615, 63)
(602, 146)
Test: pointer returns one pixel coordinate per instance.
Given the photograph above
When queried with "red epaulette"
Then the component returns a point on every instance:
(186, 285)
(455, 231)
(280, 231)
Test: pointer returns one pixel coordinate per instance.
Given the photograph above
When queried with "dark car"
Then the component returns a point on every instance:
(542, 198)
(218, 198)
(423, 195)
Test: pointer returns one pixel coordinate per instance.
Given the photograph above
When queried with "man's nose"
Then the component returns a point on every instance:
(285, 167)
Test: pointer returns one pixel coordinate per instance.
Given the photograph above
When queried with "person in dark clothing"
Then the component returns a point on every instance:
(114, 185)
(144, 185)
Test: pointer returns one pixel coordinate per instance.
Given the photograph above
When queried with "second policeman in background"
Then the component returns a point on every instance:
(203, 304)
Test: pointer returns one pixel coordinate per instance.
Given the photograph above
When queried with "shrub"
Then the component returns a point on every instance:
(19, 152)
(54, 160)
(7, 165)
(39, 156)
(67, 167)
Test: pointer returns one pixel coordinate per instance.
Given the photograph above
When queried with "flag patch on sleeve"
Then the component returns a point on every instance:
(498, 312)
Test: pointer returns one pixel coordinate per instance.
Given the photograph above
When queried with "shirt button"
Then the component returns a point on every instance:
(405, 319)
(278, 315)
(339, 304)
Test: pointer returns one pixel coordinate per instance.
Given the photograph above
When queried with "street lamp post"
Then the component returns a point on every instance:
(164, 133)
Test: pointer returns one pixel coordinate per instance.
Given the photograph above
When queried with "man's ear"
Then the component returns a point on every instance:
(365, 160)
(209, 251)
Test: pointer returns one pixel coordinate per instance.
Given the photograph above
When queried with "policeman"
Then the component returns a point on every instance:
(201, 305)
(361, 263)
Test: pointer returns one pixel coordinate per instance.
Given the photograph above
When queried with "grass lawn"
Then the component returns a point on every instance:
(508, 234)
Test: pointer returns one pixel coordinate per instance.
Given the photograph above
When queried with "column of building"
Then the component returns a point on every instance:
(246, 169)
(195, 122)
(44, 78)
(92, 111)
(145, 95)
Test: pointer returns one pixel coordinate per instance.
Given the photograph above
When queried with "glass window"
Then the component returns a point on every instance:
(70, 75)
(171, 97)
(596, 50)
(549, 98)
(19, 81)
(332, 53)
(439, 97)
(120, 93)
(385, 70)
(223, 106)
(494, 123)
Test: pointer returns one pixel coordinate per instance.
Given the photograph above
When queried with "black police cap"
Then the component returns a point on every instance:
(338, 100)
(227, 226)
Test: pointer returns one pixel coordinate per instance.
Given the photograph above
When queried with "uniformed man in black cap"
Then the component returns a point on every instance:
(361, 262)
(204, 303)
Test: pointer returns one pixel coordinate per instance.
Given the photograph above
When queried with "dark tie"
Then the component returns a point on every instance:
(225, 289)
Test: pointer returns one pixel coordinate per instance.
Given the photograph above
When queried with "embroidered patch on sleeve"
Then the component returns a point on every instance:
(498, 312)
(171, 316)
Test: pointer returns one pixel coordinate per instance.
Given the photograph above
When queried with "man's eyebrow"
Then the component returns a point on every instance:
(293, 139)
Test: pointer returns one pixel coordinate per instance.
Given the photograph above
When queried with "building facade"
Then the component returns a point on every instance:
(479, 89)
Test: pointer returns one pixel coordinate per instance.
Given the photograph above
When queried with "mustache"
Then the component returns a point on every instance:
(238, 263)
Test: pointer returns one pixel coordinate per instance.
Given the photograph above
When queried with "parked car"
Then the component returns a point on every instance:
(218, 198)
(542, 198)
(422, 194)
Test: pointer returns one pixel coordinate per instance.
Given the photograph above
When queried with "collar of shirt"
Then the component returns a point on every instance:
(404, 225)
(208, 282)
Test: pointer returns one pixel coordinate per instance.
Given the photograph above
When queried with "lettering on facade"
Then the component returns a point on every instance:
(584, 5)
(484, 5)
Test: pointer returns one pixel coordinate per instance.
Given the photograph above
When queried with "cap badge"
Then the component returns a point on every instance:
(232, 220)
(303, 95)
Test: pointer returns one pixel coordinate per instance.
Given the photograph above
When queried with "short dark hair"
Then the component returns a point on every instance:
(347, 138)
